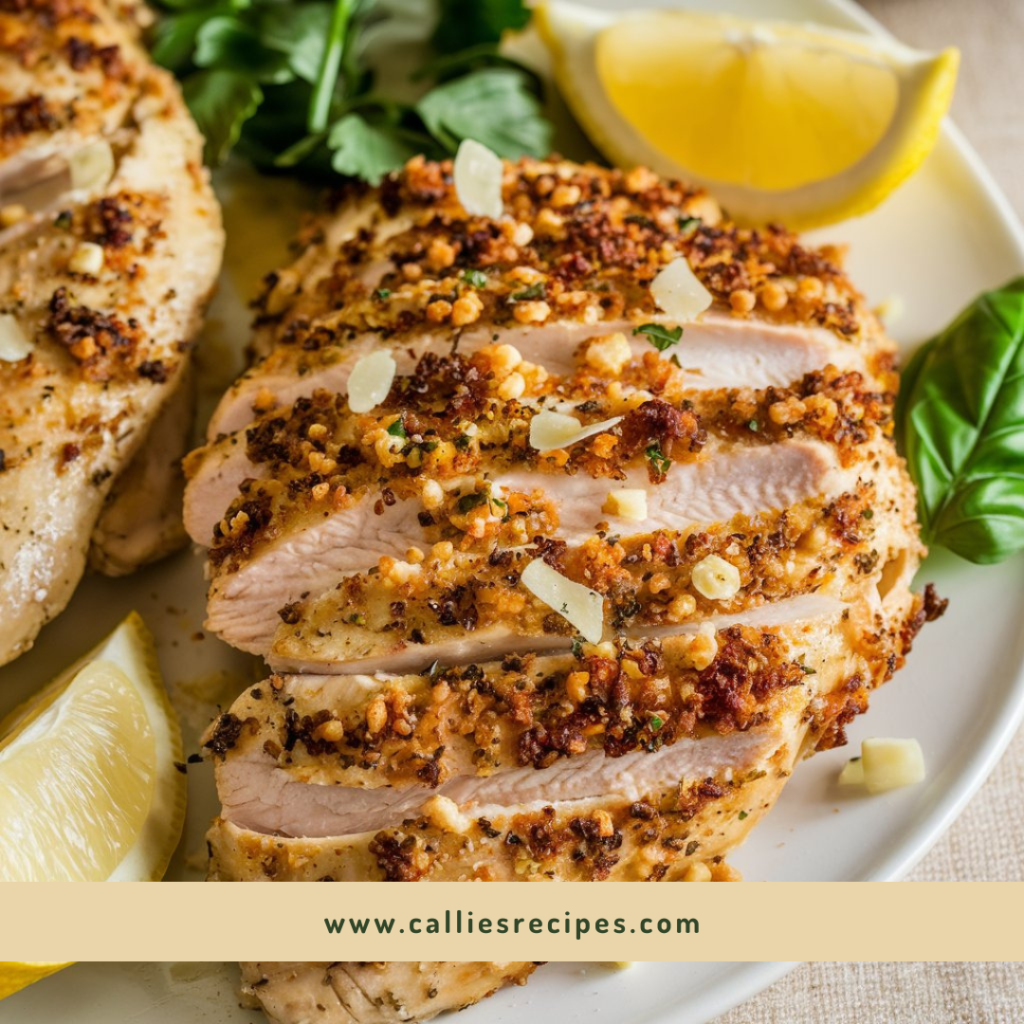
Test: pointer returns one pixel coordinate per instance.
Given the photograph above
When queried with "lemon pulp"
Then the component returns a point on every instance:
(88, 785)
(743, 105)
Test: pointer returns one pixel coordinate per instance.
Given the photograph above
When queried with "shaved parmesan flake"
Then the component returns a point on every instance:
(370, 381)
(891, 764)
(14, 343)
(91, 167)
(578, 604)
(550, 430)
(477, 173)
(678, 293)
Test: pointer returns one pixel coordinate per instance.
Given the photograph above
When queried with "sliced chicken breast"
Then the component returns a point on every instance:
(373, 993)
(726, 531)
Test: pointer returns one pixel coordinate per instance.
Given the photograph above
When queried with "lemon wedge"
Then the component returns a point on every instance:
(16, 976)
(89, 790)
(782, 121)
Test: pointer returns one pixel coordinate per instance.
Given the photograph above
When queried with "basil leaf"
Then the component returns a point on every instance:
(221, 102)
(660, 337)
(961, 422)
(465, 23)
(494, 106)
(365, 151)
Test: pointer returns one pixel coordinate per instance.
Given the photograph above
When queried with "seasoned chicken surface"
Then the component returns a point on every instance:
(373, 993)
(733, 501)
(110, 248)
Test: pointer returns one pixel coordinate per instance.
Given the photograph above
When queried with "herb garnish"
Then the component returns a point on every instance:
(293, 83)
(535, 291)
(960, 422)
(660, 337)
(475, 278)
(659, 460)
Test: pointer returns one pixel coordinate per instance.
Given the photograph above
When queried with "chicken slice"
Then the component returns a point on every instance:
(552, 274)
(373, 993)
(141, 521)
(108, 294)
(702, 773)
(346, 491)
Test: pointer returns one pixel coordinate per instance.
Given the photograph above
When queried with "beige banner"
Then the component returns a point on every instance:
(508, 921)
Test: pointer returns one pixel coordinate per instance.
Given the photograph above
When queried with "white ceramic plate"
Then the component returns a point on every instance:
(945, 236)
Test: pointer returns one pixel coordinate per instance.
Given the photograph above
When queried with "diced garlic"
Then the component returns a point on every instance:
(610, 354)
(92, 166)
(477, 174)
(852, 773)
(715, 578)
(14, 342)
(86, 259)
(579, 605)
(371, 380)
(891, 764)
(628, 503)
(550, 430)
(678, 293)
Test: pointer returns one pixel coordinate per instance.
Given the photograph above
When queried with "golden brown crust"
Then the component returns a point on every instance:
(582, 242)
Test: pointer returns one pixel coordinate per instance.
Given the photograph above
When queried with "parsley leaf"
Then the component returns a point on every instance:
(660, 337)
(534, 291)
(494, 106)
(366, 151)
(465, 23)
(227, 43)
(659, 461)
(221, 101)
(475, 278)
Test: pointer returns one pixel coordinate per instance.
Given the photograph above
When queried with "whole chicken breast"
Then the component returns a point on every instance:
(111, 250)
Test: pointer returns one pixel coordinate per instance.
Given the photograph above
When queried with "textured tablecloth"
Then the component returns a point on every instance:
(987, 842)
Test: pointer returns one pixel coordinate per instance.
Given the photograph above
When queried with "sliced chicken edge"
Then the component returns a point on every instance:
(244, 605)
(373, 993)
(141, 520)
(606, 838)
(719, 351)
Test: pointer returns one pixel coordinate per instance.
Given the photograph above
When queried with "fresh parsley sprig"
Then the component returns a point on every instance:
(287, 84)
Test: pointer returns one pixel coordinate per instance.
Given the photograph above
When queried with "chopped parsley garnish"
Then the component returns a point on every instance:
(658, 459)
(660, 337)
(743, 815)
(535, 291)
(656, 723)
(577, 647)
(397, 429)
(475, 278)
(382, 293)
(688, 223)
(754, 426)
(468, 502)
(674, 360)
(868, 513)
